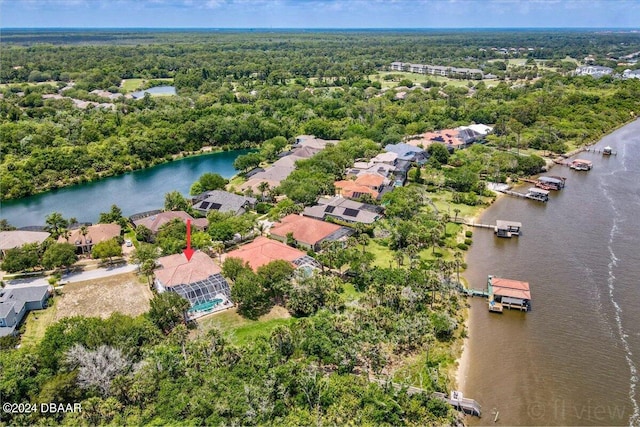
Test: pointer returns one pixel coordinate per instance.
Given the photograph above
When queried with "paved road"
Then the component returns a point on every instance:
(81, 276)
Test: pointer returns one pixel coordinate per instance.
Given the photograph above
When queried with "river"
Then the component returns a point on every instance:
(573, 359)
(133, 192)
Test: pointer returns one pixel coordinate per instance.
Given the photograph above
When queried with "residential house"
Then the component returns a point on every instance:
(85, 238)
(344, 210)
(307, 232)
(17, 238)
(16, 301)
(156, 220)
(595, 71)
(263, 250)
(313, 142)
(371, 184)
(388, 158)
(223, 201)
(198, 280)
(408, 152)
(631, 74)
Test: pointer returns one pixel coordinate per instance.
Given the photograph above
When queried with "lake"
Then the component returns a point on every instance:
(158, 90)
(133, 192)
(573, 359)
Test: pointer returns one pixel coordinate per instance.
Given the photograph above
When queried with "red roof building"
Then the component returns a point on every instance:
(307, 232)
(264, 250)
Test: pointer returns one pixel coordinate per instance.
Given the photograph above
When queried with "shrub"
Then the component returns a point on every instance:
(462, 246)
(468, 242)
(263, 208)
(468, 233)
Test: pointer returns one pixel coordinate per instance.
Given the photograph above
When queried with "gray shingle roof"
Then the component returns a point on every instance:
(222, 201)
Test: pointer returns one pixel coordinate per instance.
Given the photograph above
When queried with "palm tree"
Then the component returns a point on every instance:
(456, 211)
(262, 187)
(458, 262)
(398, 257)
(218, 247)
(363, 239)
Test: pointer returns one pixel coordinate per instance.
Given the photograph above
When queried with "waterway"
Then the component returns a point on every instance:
(133, 192)
(573, 359)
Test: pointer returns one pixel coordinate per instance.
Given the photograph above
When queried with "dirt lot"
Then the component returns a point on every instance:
(124, 293)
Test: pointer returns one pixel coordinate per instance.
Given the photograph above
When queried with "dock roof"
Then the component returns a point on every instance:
(500, 223)
(510, 288)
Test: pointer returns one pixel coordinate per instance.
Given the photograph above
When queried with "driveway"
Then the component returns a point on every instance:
(73, 277)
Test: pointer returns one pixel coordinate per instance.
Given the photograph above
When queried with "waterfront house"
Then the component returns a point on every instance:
(312, 142)
(263, 250)
(366, 183)
(198, 280)
(308, 233)
(85, 238)
(223, 201)
(157, 219)
(16, 301)
(17, 238)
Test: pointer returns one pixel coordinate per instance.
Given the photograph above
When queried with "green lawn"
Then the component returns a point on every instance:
(131, 85)
(417, 79)
(383, 255)
(242, 330)
(350, 293)
(37, 323)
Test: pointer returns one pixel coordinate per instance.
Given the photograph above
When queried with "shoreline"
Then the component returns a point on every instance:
(464, 356)
(205, 151)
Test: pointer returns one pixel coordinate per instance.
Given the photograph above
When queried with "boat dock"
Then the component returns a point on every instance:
(501, 229)
(606, 151)
(456, 399)
(533, 193)
(503, 293)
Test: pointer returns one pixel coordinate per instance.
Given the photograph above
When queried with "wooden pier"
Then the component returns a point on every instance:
(457, 400)
(501, 229)
(602, 151)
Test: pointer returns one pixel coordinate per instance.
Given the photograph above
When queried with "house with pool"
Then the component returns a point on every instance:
(198, 280)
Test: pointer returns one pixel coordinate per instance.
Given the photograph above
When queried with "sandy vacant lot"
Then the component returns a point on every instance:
(124, 293)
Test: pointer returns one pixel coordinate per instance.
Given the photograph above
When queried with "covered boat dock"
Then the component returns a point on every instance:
(508, 293)
(507, 228)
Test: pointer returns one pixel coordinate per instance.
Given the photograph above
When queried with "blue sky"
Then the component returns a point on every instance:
(320, 13)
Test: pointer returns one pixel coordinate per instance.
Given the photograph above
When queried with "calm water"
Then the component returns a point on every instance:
(574, 359)
(157, 90)
(133, 192)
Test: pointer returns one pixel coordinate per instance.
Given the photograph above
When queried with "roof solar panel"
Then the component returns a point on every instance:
(330, 209)
(216, 206)
(204, 205)
(351, 212)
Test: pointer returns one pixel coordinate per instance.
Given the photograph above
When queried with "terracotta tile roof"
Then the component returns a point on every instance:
(264, 250)
(176, 270)
(510, 288)
(95, 234)
(154, 222)
(370, 180)
(304, 229)
(350, 189)
(444, 136)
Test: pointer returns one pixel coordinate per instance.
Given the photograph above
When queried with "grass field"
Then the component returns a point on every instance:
(242, 330)
(421, 78)
(37, 322)
(131, 85)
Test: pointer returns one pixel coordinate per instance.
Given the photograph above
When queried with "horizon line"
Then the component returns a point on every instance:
(311, 28)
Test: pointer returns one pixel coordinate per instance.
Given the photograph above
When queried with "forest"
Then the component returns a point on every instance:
(236, 90)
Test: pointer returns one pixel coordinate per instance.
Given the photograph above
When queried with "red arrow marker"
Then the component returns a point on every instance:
(188, 252)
